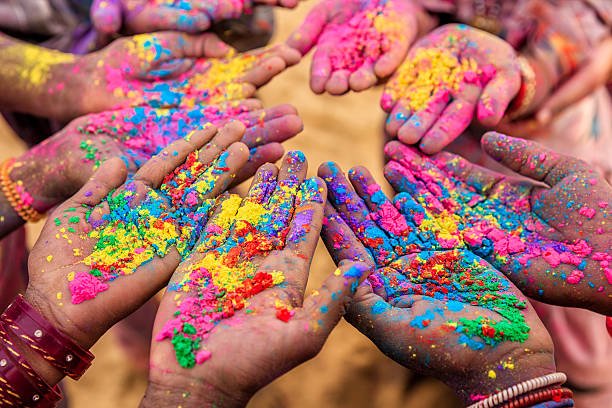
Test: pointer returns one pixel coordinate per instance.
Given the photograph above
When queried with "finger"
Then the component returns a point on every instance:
(222, 173)
(340, 241)
(364, 78)
(109, 176)
(268, 153)
(275, 130)
(264, 71)
(304, 231)
(320, 70)
(455, 118)
(153, 172)
(497, 95)
(480, 178)
(391, 60)
(404, 176)
(531, 159)
(228, 134)
(355, 213)
(329, 303)
(382, 210)
(421, 121)
(263, 185)
(167, 69)
(307, 35)
(106, 16)
(159, 18)
(290, 177)
(338, 82)
(396, 119)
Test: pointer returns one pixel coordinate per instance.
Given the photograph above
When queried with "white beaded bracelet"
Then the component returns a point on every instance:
(520, 389)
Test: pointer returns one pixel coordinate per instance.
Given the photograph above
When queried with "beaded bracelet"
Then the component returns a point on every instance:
(520, 389)
(10, 190)
(36, 332)
(20, 384)
(526, 93)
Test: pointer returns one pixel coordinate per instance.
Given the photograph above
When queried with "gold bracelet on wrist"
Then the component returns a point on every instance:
(14, 193)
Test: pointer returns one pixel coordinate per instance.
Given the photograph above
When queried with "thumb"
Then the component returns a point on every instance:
(109, 176)
(329, 303)
(106, 16)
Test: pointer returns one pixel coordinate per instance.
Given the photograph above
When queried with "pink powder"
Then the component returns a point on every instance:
(581, 248)
(602, 204)
(202, 356)
(85, 286)
(575, 277)
(587, 212)
(391, 220)
(552, 257)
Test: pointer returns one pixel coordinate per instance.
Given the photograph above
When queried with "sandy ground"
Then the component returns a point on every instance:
(349, 371)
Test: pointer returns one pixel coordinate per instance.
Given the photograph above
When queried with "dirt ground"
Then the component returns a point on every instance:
(349, 371)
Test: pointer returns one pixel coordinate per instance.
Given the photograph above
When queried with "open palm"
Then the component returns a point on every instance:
(431, 304)
(550, 239)
(104, 252)
(235, 312)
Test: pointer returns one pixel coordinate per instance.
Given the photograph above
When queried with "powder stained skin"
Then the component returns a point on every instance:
(131, 234)
(223, 272)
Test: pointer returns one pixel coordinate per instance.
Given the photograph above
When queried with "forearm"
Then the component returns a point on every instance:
(35, 80)
(195, 394)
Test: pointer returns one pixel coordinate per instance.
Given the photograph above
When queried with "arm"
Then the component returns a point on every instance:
(33, 79)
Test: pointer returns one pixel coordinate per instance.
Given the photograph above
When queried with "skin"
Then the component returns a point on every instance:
(235, 372)
(318, 30)
(67, 166)
(165, 69)
(145, 16)
(557, 191)
(86, 322)
(449, 111)
(389, 320)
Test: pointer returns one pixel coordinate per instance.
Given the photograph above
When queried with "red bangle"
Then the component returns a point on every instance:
(20, 385)
(548, 394)
(36, 332)
(609, 325)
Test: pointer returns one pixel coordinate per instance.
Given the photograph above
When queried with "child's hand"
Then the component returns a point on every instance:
(235, 317)
(449, 76)
(104, 252)
(145, 16)
(549, 234)
(172, 70)
(357, 41)
(431, 303)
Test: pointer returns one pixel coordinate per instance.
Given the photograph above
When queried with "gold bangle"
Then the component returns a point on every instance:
(15, 199)
(526, 94)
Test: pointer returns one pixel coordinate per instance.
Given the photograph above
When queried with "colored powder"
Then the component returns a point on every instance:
(210, 81)
(431, 74)
(131, 234)
(35, 64)
(363, 39)
(224, 271)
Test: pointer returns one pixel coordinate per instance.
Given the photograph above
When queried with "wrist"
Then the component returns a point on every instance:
(23, 172)
(521, 365)
(192, 392)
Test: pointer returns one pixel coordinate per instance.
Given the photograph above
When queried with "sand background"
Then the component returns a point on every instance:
(349, 371)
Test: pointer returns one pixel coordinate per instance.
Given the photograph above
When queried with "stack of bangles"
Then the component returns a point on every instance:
(16, 195)
(541, 392)
(23, 327)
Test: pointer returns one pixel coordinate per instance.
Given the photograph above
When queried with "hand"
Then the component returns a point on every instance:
(171, 70)
(71, 156)
(431, 304)
(548, 234)
(244, 285)
(81, 280)
(358, 41)
(449, 75)
(145, 16)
